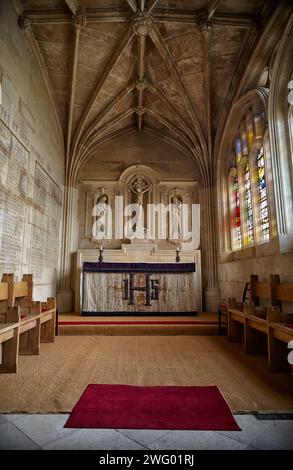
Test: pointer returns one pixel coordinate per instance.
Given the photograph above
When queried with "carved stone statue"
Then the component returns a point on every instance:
(100, 211)
(176, 217)
(139, 186)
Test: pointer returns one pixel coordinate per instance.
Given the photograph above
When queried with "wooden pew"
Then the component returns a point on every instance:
(9, 332)
(255, 327)
(235, 320)
(264, 290)
(255, 330)
(264, 329)
(48, 320)
(21, 294)
(279, 334)
(24, 323)
(241, 320)
(223, 308)
(9, 340)
(4, 300)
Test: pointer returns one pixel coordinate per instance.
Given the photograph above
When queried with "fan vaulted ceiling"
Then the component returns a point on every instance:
(166, 67)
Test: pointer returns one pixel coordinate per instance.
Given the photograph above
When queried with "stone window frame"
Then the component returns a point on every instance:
(251, 143)
(257, 99)
(233, 174)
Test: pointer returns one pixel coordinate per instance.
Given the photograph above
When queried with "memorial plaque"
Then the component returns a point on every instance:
(14, 160)
(46, 225)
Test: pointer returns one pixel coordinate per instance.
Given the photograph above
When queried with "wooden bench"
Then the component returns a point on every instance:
(21, 294)
(9, 333)
(235, 320)
(24, 323)
(223, 308)
(256, 315)
(262, 329)
(265, 331)
(280, 331)
(256, 328)
(29, 315)
(238, 313)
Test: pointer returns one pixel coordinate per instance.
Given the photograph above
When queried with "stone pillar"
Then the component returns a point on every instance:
(208, 243)
(208, 233)
(65, 296)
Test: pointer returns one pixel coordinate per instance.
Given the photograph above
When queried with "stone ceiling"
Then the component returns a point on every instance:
(166, 67)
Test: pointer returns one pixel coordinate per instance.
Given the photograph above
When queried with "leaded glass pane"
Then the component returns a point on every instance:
(237, 238)
(263, 199)
(249, 209)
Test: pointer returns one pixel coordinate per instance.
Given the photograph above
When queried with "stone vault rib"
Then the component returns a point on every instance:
(112, 62)
(163, 50)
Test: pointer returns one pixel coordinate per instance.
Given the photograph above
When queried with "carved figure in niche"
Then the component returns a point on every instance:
(176, 217)
(101, 210)
(139, 187)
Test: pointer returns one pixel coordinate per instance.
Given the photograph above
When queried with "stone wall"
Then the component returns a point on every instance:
(233, 275)
(275, 257)
(32, 163)
(139, 148)
(138, 151)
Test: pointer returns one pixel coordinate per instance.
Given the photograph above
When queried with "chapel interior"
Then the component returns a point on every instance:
(179, 112)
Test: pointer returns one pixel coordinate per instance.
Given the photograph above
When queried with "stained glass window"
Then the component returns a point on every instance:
(237, 236)
(249, 240)
(248, 192)
(263, 199)
(238, 150)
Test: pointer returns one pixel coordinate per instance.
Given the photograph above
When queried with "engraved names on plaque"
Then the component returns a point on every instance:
(46, 225)
(14, 160)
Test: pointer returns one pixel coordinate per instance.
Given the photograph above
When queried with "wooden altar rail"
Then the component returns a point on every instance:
(262, 329)
(24, 322)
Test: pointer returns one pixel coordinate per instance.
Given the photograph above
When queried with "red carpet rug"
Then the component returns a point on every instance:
(163, 407)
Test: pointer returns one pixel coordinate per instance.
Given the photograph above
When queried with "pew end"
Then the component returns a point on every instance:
(249, 307)
(13, 315)
(9, 328)
(25, 322)
(9, 347)
(48, 320)
(273, 314)
(8, 279)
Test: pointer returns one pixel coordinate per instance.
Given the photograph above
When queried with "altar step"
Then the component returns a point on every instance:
(203, 324)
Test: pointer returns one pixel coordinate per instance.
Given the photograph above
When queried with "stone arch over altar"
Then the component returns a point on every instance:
(158, 191)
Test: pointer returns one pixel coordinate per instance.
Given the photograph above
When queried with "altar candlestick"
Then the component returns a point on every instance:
(101, 254)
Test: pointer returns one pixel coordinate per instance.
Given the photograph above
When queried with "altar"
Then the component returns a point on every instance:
(148, 230)
(115, 288)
